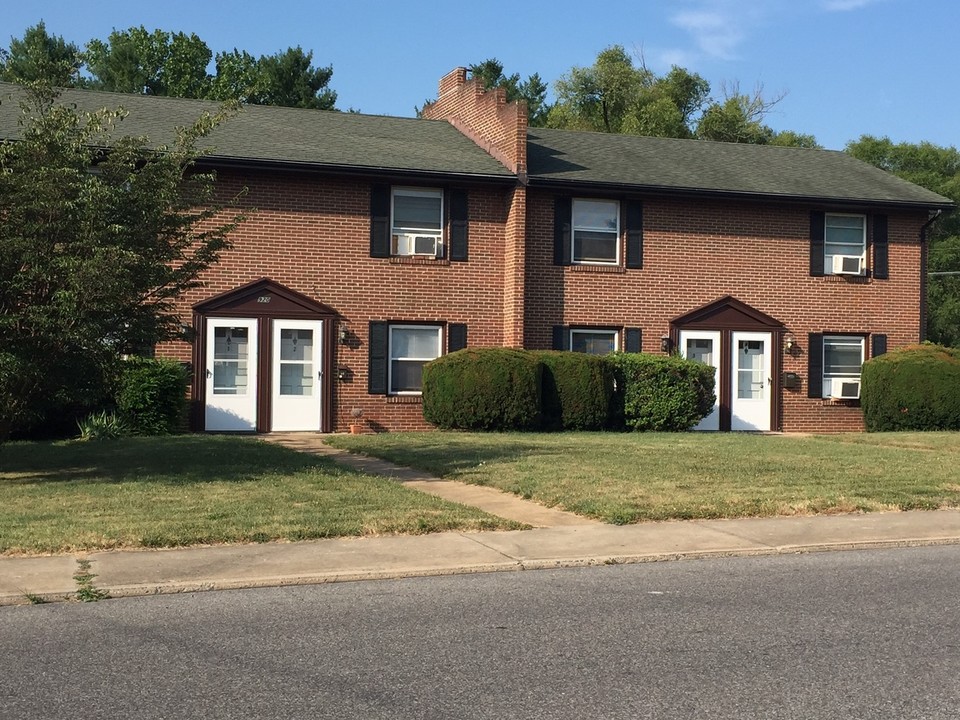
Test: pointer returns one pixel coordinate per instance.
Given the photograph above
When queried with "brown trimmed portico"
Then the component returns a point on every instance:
(743, 344)
(263, 355)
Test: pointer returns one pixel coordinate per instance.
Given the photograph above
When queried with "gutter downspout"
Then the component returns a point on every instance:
(924, 252)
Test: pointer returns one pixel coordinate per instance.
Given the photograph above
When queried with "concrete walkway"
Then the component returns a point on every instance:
(491, 500)
(566, 542)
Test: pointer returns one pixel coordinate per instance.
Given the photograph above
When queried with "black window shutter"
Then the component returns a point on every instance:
(458, 225)
(562, 219)
(380, 221)
(456, 337)
(377, 368)
(633, 211)
(815, 365)
(633, 340)
(817, 229)
(561, 338)
(878, 345)
(881, 254)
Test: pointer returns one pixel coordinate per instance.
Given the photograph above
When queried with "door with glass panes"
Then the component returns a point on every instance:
(752, 382)
(231, 375)
(296, 375)
(704, 346)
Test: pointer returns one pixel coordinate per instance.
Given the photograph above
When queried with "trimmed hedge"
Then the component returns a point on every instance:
(577, 390)
(152, 396)
(913, 388)
(662, 393)
(483, 389)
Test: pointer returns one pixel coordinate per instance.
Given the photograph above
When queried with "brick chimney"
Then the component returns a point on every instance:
(485, 117)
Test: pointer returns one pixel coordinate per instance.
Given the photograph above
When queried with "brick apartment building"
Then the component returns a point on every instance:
(375, 244)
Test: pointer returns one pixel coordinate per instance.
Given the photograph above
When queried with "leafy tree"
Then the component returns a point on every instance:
(95, 248)
(39, 56)
(154, 63)
(936, 168)
(175, 64)
(289, 78)
(599, 97)
(533, 90)
(237, 77)
(614, 95)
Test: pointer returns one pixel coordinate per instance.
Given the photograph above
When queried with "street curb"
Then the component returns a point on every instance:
(509, 565)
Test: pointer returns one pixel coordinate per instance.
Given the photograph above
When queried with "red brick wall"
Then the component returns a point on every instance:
(696, 252)
(313, 235)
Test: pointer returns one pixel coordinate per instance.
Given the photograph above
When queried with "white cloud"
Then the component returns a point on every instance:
(715, 32)
(719, 27)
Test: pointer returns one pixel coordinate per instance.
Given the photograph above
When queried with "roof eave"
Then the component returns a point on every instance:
(221, 161)
(665, 190)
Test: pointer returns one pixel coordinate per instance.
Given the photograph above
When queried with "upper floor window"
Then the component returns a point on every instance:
(844, 244)
(416, 222)
(842, 361)
(594, 342)
(596, 231)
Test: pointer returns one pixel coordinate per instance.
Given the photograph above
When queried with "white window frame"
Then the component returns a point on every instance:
(827, 377)
(595, 331)
(574, 227)
(396, 230)
(390, 356)
(828, 257)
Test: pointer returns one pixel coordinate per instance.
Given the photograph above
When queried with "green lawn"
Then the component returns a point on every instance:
(625, 478)
(186, 490)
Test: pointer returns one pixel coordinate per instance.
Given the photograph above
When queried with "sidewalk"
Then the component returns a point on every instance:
(558, 539)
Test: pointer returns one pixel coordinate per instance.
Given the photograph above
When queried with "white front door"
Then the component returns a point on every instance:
(296, 374)
(752, 382)
(704, 346)
(231, 373)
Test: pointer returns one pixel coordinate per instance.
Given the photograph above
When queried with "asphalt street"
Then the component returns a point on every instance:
(858, 634)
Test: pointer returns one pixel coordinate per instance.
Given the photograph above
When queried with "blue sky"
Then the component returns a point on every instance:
(847, 67)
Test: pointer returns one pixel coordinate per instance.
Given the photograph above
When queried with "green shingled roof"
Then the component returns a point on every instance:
(590, 158)
(354, 142)
(282, 135)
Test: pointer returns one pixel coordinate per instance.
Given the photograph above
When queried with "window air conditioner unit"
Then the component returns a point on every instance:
(847, 265)
(423, 245)
(841, 389)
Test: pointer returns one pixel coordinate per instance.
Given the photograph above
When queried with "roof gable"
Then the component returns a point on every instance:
(263, 297)
(728, 313)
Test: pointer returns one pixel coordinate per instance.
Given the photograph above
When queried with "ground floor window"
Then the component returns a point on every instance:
(411, 347)
(594, 342)
(843, 357)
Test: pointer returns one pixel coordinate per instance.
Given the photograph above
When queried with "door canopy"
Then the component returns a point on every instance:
(264, 298)
(728, 313)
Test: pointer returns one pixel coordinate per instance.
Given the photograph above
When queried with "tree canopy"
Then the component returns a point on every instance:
(95, 248)
(158, 62)
(614, 95)
(39, 56)
(936, 168)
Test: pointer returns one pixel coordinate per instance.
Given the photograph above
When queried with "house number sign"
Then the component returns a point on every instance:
(264, 298)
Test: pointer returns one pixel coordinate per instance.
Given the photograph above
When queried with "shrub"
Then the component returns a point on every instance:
(483, 389)
(913, 388)
(152, 396)
(577, 390)
(655, 392)
(101, 426)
